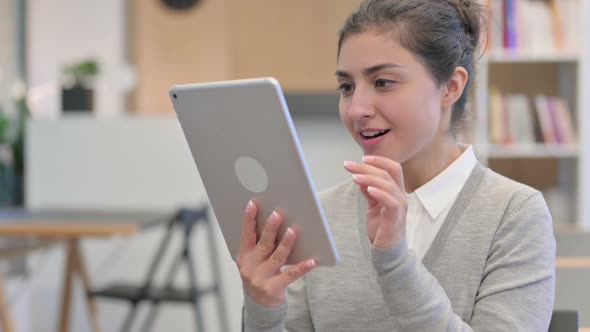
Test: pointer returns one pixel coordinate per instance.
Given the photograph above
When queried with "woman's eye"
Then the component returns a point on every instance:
(345, 88)
(382, 83)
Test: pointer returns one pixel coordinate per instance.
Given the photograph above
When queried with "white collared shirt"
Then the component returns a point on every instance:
(429, 205)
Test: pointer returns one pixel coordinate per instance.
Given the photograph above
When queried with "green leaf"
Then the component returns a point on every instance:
(4, 127)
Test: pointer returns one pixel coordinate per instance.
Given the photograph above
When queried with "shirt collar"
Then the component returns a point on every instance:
(438, 193)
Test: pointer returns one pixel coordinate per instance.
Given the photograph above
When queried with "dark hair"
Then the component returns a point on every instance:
(442, 34)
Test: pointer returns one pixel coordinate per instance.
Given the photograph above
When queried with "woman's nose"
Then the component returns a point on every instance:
(361, 105)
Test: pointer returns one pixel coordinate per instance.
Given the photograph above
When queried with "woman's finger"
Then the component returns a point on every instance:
(391, 227)
(365, 193)
(278, 258)
(248, 237)
(288, 276)
(393, 168)
(267, 242)
(387, 201)
(364, 168)
(387, 185)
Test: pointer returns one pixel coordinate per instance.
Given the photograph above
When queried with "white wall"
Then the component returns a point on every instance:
(143, 162)
(65, 31)
(116, 163)
(8, 43)
(139, 163)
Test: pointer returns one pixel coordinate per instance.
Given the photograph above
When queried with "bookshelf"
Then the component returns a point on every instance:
(532, 151)
(531, 99)
(495, 56)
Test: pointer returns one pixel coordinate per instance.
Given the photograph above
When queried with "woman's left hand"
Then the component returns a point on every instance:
(381, 181)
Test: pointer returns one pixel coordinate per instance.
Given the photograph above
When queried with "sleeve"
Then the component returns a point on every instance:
(518, 284)
(297, 318)
(517, 288)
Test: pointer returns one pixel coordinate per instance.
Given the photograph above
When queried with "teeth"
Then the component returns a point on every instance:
(373, 133)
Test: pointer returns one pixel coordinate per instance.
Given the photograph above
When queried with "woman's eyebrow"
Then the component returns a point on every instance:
(344, 74)
(373, 69)
(370, 70)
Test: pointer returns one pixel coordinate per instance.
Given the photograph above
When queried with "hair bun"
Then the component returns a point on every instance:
(470, 13)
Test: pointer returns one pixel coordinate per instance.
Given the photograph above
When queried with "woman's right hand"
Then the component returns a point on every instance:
(260, 261)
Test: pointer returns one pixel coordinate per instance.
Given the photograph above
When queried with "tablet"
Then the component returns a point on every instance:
(245, 147)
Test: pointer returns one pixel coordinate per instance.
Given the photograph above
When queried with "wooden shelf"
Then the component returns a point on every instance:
(520, 56)
(530, 151)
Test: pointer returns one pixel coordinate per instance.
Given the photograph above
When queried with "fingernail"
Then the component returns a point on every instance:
(289, 232)
(355, 177)
(368, 158)
(250, 205)
(347, 164)
(274, 216)
(311, 263)
(370, 189)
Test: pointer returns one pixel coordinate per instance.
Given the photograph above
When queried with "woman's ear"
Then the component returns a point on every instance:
(453, 89)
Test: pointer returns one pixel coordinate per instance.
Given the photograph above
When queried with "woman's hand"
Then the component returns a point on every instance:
(261, 261)
(381, 182)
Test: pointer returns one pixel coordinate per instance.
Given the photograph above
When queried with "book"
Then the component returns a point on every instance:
(496, 127)
(564, 123)
(521, 124)
(532, 25)
(545, 123)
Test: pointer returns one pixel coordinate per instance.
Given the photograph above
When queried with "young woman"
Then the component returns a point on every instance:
(430, 240)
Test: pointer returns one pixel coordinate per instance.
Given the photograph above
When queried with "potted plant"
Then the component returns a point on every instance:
(12, 131)
(77, 85)
(6, 162)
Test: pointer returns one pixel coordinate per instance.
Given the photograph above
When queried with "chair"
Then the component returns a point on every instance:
(135, 294)
(13, 254)
(564, 321)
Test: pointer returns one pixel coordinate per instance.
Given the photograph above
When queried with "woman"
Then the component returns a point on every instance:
(430, 240)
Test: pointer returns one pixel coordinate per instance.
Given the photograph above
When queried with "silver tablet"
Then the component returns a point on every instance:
(245, 147)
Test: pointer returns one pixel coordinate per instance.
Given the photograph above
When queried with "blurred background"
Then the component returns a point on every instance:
(87, 132)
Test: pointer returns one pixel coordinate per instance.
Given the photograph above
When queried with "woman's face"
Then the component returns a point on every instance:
(389, 102)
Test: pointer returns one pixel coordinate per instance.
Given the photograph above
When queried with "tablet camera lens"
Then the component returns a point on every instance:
(174, 95)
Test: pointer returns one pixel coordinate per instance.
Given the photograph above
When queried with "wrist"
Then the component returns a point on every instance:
(257, 316)
(385, 259)
(265, 302)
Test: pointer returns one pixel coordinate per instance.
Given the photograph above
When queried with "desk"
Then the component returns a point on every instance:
(70, 228)
(579, 262)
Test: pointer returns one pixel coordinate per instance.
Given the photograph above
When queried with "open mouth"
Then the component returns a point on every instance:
(370, 134)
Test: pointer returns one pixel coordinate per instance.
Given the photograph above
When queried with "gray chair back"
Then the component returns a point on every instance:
(564, 321)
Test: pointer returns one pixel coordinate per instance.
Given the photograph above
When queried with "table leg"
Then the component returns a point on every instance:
(6, 322)
(83, 273)
(66, 297)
